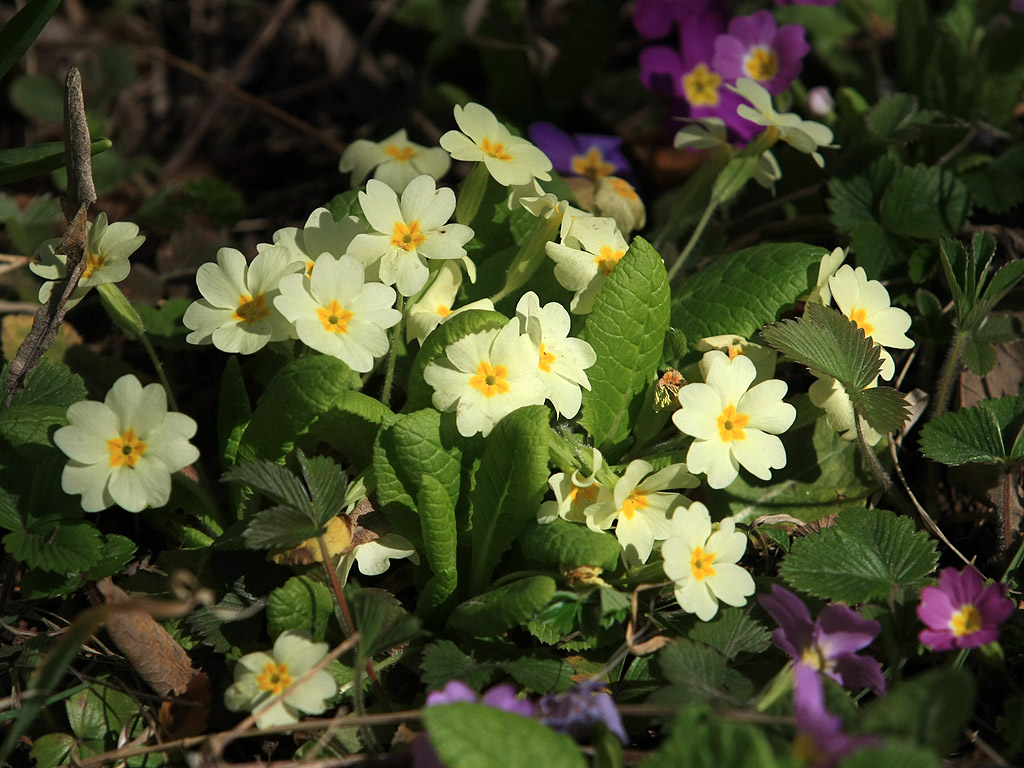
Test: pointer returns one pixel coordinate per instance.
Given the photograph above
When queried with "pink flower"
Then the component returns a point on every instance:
(655, 18)
(820, 740)
(962, 612)
(754, 47)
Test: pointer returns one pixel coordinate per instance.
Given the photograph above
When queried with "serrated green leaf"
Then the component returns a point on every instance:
(697, 672)
(99, 710)
(444, 661)
(698, 739)
(868, 555)
(280, 527)
(51, 384)
(894, 117)
(440, 540)
(884, 409)
(501, 609)
(326, 483)
(973, 435)
(381, 621)
(732, 632)
(117, 552)
(10, 517)
(539, 675)
(275, 482)
(1002, 283)
(27, 427)
(979, 357)
(510, 484)
(477, 736)
(924, 201)
(233, 411)
(627, 329)
(741, 292)
(301, 604)
(59, 546)
(568, 544)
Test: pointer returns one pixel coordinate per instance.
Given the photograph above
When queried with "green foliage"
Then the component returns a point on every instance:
(220, 201)
(22, 29)
(967, 274)
(924, 202)
(234, 411)
(26, 162)
(569, 545)
(897, 754)
(165, 320)
(444, 661)
(698, 673)
(437, 519)
(503, 608)
(381, 621)
(732, 632)
(698, 739)
(977, 435)
(302, 605)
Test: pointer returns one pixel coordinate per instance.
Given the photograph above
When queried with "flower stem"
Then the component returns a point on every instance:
(949, 371)
(158, 367)
(777, 687)
(472, 194)
(389, 374)
(697, 232)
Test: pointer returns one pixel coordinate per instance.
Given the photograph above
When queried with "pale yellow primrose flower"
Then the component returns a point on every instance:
(434, 307)
(763, 358)
(236, 313)
(561, 361)
(829, 395)
(481, 138)
(107, 249)
(638, 509)
(397, 161)
(866, 302)
(409, 232)
(573, 494)
(803, 135)
(124, 450)
(589, 251)
(732, 423)
(830, 262)
(485, 376)
(320, 234)
(260, 676)
(702, 562)
(616, 199)
(374, 557)
(335, 312)
(709, 133)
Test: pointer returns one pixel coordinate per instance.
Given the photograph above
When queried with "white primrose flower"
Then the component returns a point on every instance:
(803, 135)
(397, 161)
(481, 138)
(259, 677)
(485, 376)
(573, 494)
(830, 262)
(763, 358)
(335, 312)
(733, 423)
(638, 508)
(702, 562)
(561, 361)
(435, 305)
(124, 450)
(409, 232)
(236, 313)
(589, 251)
(107, 249)
(829, 395)
(320, 234)
(866, 302)
(374, 557)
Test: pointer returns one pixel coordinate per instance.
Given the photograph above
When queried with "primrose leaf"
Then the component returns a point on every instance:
(326, 483)
(117, 551)
(869, 554)
(99, 710)
(279, 527)
(300, 604)
(568, 544)
(444, 661)
(273, 481)
(977, 434)
(164, 320)
(503, 608)
(627, 329)
(233, 411)
(469, 735)
(62, 546)
(924, 201)
(697, 673)
(351, 425)
(732, 632)
(440, 540)
(540, 675)
(510, 484)
(51, 384)
(381, 621)
(27, 427)
(52, 750)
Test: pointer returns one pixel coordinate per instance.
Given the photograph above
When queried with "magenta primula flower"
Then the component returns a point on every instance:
(828, 644)
(754, 47)
(806, 2)
(655, 18)
(962, 612)
(582, 154)
(820, 741)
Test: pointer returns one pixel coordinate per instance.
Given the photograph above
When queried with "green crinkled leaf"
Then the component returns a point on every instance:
(501, 609)
(301, 604)
(897, 754)
(477, 736)
(540, 675)
(99, 710)
(510, 484)
(924, 201)
(569, 544)
(931, 710)
(967, 436)
(59, 546)
(233, 411)
(627, 329)
(351, 425)
(51, 384)
(27, 427)
(697, 673)
(732, 632)
(741, 292)
(868, 555)
(280, 527)
(440, 540)
(698, 739)
(117, 552)
(444, 661)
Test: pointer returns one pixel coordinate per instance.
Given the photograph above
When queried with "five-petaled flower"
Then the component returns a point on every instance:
(320, 234)
(828, 644)
(702, 562)
(396, 159)
(434, 306)
(260, 677)
(753, 47)
(124, 450)
(573, 494)
(962, 612)
(481, 138)
(803, 135)
(582, 154)
(732, 423)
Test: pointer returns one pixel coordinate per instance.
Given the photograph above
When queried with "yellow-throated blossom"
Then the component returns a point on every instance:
(763, 358)
(573, 494)
(236, 313)
(866, 302)
(408, 232)
(803, 135)
(261, 676)
(732, 423)
(482, 138)
(561, 361)
(320, 234)
(589, 251)
(335, 312)
(639, 508)
(435, 305)
(485, 376)
(821, 293)
(617, 199)
(396, 159)
(701, 561)
(124, 450)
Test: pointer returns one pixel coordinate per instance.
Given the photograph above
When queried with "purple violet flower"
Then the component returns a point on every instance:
(962, 612)
(754, 47)
(820, 741)
(806, 2)
(579, 709)
(828, 644)
(582, 154)
(655, 18)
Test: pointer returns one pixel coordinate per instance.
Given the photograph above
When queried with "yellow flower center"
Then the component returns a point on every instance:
(814, 658)
(592, 164)
(274, 678)
(495, 150)
(546, 359)
(334, 318)
(126, 450)
(859, 316)
(762, 64)
(635, 502)
(443, 310)
(731, 424)
(585, 494)
(490, 380)
(309, 268)
(701, 564)
(607, 259)
(407, 237)
(251, 309)
(701, 85)
(966, 621)
(401, 154)
(93, 263)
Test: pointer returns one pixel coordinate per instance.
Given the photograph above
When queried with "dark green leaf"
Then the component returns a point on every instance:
(698, 739)
(732, 632)
(501, 609)
(20, 164)
(893, 754)
(52, 750)
(59, 546)
(280, 527)
(326, 483)
(540, 675)
(164, 320)
(233, 411)
(443, 661)
(302, 605)
(381, 621)
(351, 425)
(570, 545)
(884, 409)
(21, 31)
(698, 673)
(979, 357)
(974, 435)
(116, 553)
(440, 540)
(924, 201)
(275, 482)
(51, 384)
